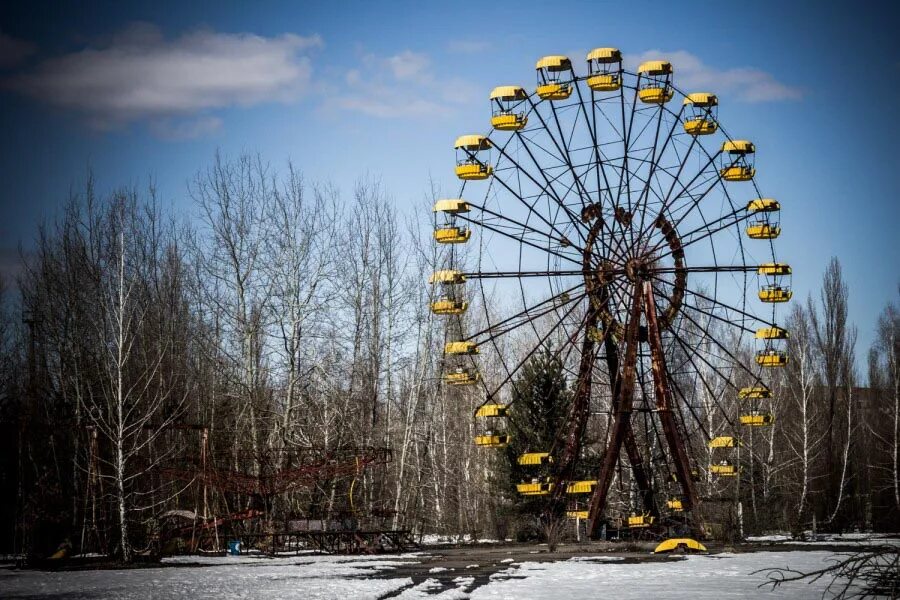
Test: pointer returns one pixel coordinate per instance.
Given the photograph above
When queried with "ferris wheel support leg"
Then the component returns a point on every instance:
(664, 410)
(622, 420)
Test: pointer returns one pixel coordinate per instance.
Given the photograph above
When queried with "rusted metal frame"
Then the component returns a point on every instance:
(664, 403)
(625, 397)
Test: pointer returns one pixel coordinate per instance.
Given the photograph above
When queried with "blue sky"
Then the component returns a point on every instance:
(345, 89)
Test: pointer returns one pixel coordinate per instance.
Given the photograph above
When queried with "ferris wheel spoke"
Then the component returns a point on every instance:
(520, 238)
(735, 361)
(706, 232)
(531, 209)
(538, 346)
(546, 188)
(642, 231)
(547, 306)
(502, 274)
(737, 310)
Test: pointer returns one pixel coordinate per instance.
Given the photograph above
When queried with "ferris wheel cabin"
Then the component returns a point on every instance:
(447, 276)
(506, 104)
(461, 376)
(764, 225)
(447, 305)
(754, 393)
(723, 469)
(757, 418)
(737, 161)
(472, 157)
(534, 459)
(554, 77)
(655, 82)
(491, 438)
(461, 348)
(722, 441)
(776, 286)
(674, 504)
(702, 117)
(604, 69)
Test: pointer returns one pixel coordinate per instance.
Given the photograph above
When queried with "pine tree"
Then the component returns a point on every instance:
(540, 405)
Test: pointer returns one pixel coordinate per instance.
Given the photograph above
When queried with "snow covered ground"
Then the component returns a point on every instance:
(720, 576)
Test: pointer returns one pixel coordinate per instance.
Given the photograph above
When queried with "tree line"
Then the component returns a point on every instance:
(289, 319)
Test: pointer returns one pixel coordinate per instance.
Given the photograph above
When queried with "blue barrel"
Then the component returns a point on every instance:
(234, 547)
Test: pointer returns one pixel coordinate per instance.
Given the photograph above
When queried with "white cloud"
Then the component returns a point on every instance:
(141, 75)
(743, 83)
(13, 51)
(402, 85)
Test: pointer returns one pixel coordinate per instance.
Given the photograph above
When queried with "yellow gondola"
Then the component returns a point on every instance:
(640, 521)
(504, 100)
(775, 293)
(534, 459)
(461, 376)
(740, 167)
(771, 333)
(449, 306)
(534, 488)
(771, 358)
(492, 440)
(760, 230)
(774, 269)
(452, 235)
(722, 441)
(468, 166)
(754, 393)
(655, 87)
(492, 410)
(723, 469)
(702, 120)
(447, 276)
(550, 70)
(581, 487)
(757, 419)
(461, 348)
(604, 69)
(763, 205)
(452, 206)
(675, 505)
(577, 514)
(763, 228)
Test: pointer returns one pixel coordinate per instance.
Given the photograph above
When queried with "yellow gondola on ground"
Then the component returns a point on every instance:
(461, 376)
(655, 77)
(505, 99)
(461, 348)
(722, 441)
(757, 419)
(754, 393)
(581, 487)
(683, 544)
(468, 164)
(723, 469)
(492, 410)
(449, 306)
(492, 440)
(674, 504)
(740, 165)
(448, 276)
(452, 235)
(640, 521)
(532, 459)
(550, 73)
(771, 358)
(604, 69)
(702, 118)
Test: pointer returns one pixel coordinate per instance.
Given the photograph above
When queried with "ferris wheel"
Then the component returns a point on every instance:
(610, 220)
